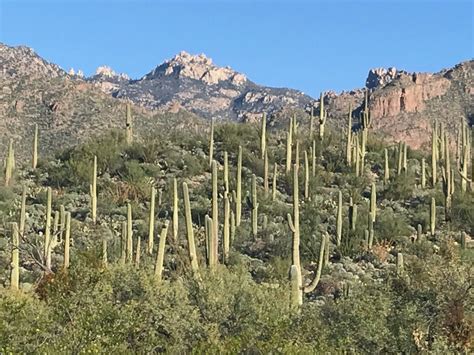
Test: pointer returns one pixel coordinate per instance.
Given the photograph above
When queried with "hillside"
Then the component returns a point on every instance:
(186, 240)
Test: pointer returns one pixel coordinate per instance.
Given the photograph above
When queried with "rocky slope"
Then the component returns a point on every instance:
(66, 108)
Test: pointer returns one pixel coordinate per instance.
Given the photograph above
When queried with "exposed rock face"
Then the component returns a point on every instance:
(409, 94)
(197, 67)
(380, 77)
(197, 85)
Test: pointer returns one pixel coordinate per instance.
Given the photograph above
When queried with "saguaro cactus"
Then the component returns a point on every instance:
(215, 208)
(105, 260)
(160, 256)
(306, 176)
(129, 234)
(175, 211)
(211, 143)
(226, 172)
(15, 258)
(34, 158)
(254, 205)
(47, 231)
(322, 116)
(93, 191)
(288, 151)
(434, 155)
(423, 173)
(297, 287)
(238, 194)
(265, 174)
(313, 159)
(23, 212)
(339, 219)
(311, 123)
(9, 163)
(67, 240)
(400, 266)
(138, 252)
(123, 243)
(349, 138)
(226, 241)
(189, 229)
(386, 171)
(373, 202)
(400, 158)
(433, 216)
(129, 125)
(151, 222)
(263, 138)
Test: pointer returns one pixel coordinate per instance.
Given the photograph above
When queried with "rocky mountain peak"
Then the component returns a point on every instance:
(23, 61)
(379, 77)
(196, 67)
(107, 72)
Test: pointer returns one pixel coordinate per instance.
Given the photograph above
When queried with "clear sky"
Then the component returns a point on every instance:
(308, 45)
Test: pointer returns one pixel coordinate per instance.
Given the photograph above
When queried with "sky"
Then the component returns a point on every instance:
(312, 46)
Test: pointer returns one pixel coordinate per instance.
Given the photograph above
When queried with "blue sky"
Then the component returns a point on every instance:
(308, 45)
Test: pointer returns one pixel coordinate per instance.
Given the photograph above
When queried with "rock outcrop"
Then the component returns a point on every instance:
(195, 83)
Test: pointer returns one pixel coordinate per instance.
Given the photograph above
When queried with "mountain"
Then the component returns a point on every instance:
(67, 108)
(195, 83)
(70, 108)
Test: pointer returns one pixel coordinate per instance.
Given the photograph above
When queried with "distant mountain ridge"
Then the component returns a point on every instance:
(70, 108)
(194, 83)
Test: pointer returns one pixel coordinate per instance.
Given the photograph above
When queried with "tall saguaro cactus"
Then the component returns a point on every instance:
(433, 216)
(386, 170)
(129, 125)
(254, 203)
(238, 194)
(211, 143)
(129, 234)
(175, 211)
(265, 174)
(9, 163)
(15, 258)
(34, 158)
(339, 219)
(263, 136)
(306, 176)
(274, 184)
(151, 222)
(215, 209)
(434, 155)
(226, 172)
(322, 116)
(297, 288)
(67, 240)
(47, 231)
(423, 173)
(226, 234)
(349, 138)
(189, 229)
(289, 145)
(160, 256)
(373, 202)
(23, 212)
(93, 191)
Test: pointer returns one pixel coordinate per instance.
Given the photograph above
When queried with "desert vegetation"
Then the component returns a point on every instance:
(240, 237)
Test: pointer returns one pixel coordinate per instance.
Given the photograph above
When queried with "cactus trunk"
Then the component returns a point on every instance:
(189, 229)
(160, 257)
(15, 258)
